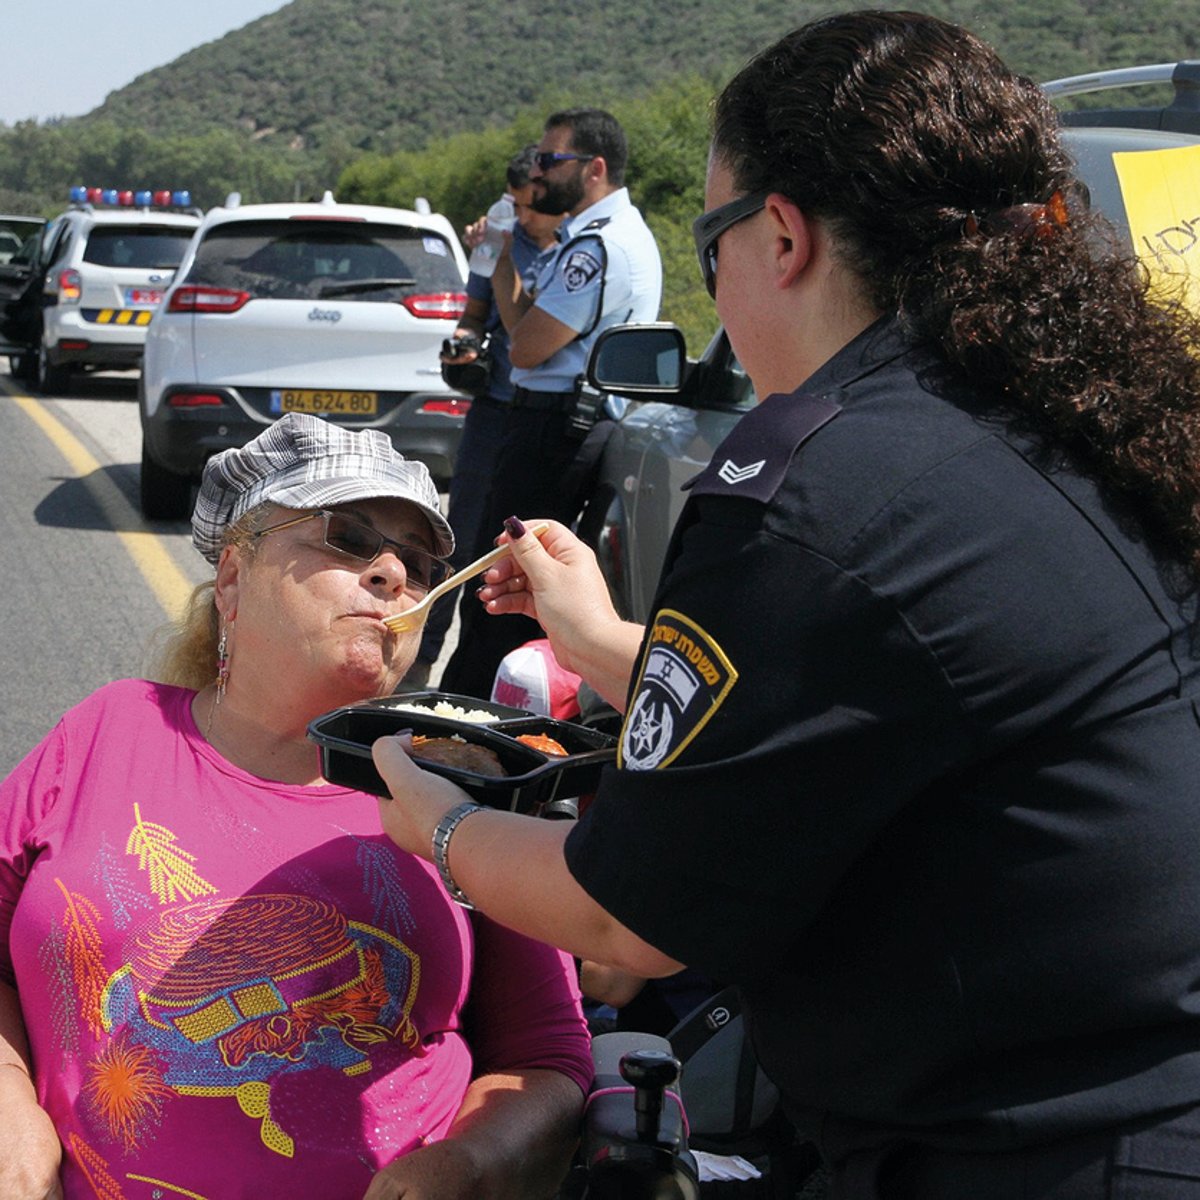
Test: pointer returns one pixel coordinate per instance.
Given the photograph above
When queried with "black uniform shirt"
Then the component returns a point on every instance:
(913, 756)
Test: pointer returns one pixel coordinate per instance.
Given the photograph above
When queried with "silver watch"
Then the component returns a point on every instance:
(441, 847)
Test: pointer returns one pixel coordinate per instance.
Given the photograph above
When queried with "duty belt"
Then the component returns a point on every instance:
(546, 401)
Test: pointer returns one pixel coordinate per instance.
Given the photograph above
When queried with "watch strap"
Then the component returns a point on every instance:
(441, 847)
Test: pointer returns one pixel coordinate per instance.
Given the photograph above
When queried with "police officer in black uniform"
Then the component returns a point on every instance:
(912, 744)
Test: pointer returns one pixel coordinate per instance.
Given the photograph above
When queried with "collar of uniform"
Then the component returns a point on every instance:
(880, 343)
(607, 206)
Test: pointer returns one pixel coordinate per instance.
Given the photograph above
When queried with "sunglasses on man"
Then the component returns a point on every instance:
(362, 542)
(708, 227)
(546, 159)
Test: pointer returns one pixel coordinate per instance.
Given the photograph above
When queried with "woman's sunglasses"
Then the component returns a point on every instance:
(709, 226)
(360, 541)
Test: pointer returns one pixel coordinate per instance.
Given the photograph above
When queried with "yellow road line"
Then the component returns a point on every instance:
(168, 583)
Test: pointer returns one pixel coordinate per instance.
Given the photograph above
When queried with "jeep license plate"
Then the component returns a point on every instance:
(306, 400)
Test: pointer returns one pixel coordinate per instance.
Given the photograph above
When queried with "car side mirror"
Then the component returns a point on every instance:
(633, 359)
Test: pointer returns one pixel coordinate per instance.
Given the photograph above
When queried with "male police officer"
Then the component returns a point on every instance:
(607, 271)
(483, 431)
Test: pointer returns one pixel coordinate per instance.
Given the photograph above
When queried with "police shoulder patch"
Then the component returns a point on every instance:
(579, 269)
(685, 677)
(755, 457)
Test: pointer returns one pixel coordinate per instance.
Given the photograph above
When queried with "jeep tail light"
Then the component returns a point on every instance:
(195, 399)
(70, 286)
(192, 298)
(450, 406)
(441, 305)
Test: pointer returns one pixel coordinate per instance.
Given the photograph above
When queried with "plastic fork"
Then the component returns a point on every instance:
(415, 617)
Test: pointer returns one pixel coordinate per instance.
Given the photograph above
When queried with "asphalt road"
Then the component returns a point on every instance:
(87, 582)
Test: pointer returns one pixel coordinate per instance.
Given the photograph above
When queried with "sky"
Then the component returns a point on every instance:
(63, 60)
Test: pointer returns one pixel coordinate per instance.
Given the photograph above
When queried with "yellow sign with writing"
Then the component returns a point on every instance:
(1161, 189)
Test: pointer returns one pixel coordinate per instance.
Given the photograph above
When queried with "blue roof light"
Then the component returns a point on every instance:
(143, 198)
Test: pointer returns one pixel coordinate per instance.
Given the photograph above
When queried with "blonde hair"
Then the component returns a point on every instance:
(184, 653)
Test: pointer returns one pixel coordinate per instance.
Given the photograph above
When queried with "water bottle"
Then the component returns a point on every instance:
(501, 217)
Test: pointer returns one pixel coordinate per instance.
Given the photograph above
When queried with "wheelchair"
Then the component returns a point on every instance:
(646, 1130)
(633, 1144)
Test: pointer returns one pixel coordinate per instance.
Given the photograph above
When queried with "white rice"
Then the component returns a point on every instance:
(474, 716)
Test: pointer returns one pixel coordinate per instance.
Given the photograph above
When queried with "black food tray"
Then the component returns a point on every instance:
(534, 780)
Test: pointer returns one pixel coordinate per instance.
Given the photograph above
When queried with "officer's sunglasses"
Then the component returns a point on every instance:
(546, 159)
(355, 539)
(708, 227)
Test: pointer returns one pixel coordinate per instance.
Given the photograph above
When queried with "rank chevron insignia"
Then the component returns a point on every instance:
(730, 472)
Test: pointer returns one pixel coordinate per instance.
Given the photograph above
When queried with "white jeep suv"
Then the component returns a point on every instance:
(334, 309)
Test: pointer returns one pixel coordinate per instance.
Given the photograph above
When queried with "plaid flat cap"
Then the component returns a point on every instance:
(302, 461)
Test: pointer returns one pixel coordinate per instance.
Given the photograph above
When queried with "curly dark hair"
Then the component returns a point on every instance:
(932, 164)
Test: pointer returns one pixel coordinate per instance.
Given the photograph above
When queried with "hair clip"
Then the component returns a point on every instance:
(1042, 220)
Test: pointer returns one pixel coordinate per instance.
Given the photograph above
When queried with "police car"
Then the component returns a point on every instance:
(87, 292)
(17, 232)
(676, 423)
(334, 309)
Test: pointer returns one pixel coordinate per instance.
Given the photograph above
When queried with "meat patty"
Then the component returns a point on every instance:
(454, 752)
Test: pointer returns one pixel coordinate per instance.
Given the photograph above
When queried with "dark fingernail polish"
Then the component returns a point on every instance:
(515, 527)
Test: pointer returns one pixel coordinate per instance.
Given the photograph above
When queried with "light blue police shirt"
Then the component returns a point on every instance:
(607, 271)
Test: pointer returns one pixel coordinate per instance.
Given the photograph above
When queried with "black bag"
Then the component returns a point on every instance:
(727, 1096)
(472, 378)
(733, 1108)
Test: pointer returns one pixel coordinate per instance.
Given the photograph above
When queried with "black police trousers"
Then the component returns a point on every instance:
(531, 480)
(1157, 1159)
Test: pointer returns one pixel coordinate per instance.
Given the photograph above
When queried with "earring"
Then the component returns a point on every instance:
(223, 661)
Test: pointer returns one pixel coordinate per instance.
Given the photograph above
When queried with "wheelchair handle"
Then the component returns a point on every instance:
(649, 1073)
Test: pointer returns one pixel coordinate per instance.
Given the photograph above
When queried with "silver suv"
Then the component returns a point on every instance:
(90, 287)
(681, 409)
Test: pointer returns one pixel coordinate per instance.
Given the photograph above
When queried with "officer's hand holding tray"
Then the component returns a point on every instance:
(500, 756)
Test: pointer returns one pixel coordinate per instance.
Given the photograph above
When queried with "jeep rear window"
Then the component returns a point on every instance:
(143, 246)
(315, 260)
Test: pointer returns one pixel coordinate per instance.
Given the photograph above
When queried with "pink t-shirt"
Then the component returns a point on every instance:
(237, 988)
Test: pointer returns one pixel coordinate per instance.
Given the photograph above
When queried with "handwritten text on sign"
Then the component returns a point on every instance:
(1161, 189)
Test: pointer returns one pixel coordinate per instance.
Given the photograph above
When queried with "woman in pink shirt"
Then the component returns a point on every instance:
(218, 978)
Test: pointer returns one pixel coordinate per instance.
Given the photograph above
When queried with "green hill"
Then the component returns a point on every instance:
(385, 100)
(389, 74)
